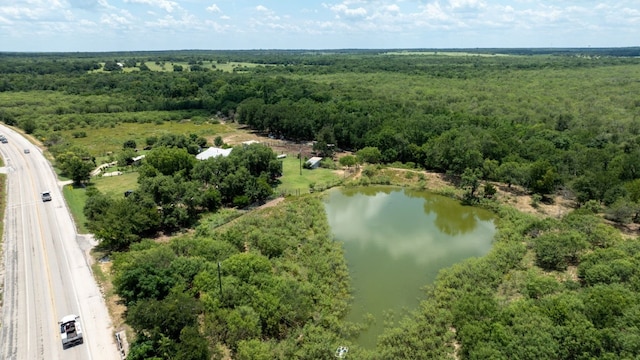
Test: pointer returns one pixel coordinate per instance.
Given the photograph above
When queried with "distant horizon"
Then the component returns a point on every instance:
(461, 49)
(162, 25)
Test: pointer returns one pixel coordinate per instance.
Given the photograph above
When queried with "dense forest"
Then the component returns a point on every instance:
(274, 284)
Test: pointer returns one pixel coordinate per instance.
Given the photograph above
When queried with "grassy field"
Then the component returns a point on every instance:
(101, 141)
(115, 186)
(76, 197)
(168, 66)
(293, 181)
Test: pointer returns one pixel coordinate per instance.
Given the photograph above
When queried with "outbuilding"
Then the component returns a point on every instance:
(213, 152)
(314, 162)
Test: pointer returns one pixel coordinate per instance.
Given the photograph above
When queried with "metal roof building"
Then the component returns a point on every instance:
(213, 152)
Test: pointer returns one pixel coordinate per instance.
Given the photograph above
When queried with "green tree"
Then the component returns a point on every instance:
(97, 204)
(254, 349)
(168, 316)
(325, 144)
(242, 323)
(542, 178)
(74, 164)
(144, 274)
(369, 155)
(192, 345)
(623, 211)
(111, 65)
(125, 222)
(348, 161)
(29, 125)
(605, 304)
(555, 251)
(470, 181)
(169, 161)
(125, 157)
(511, 173)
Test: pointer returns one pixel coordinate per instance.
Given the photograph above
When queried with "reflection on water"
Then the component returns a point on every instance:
(395, 242)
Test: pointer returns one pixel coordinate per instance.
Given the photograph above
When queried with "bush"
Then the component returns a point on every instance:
(327, 163)
(555, 251)
(622, 211)
(129, 144)
(241, 201)
(79, 134)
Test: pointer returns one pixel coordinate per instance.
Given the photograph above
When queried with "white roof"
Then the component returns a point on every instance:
(70, 317)
(314, 160)
(213, 152)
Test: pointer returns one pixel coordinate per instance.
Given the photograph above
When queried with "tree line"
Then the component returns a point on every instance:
(542, 122)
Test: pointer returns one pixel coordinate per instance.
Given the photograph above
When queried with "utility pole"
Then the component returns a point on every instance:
(220, 280)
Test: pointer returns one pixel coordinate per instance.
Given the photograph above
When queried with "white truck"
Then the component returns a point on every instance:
(70, 331)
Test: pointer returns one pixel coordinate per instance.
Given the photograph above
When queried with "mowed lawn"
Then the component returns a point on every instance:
(293, 182)
(112, 186)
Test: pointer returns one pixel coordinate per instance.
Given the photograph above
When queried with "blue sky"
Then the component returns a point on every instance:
(123, 25)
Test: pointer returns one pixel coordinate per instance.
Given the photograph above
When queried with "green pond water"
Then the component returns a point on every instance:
(396, 241)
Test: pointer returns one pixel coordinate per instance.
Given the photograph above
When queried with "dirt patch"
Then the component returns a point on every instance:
(272, 203)
(517, 197)
(114, 303)
(240, 134)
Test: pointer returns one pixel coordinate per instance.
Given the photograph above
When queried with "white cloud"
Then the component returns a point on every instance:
(176, 23)
(266, 14)
(392, 8)
(166, 5)
(344, 9)
(458, 4)
(214, 8)
(90, 4)
(114, 20)
(434, 11)
(351, 23)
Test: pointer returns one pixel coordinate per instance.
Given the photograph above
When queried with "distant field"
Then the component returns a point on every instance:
(442, 53)
(168, 66)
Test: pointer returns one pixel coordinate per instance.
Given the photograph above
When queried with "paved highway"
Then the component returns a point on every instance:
(46, 274)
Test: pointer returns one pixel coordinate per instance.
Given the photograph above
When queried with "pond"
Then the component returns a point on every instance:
(395, 241)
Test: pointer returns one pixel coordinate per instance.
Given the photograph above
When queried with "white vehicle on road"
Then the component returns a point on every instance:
(46, 196)
(70, 331)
